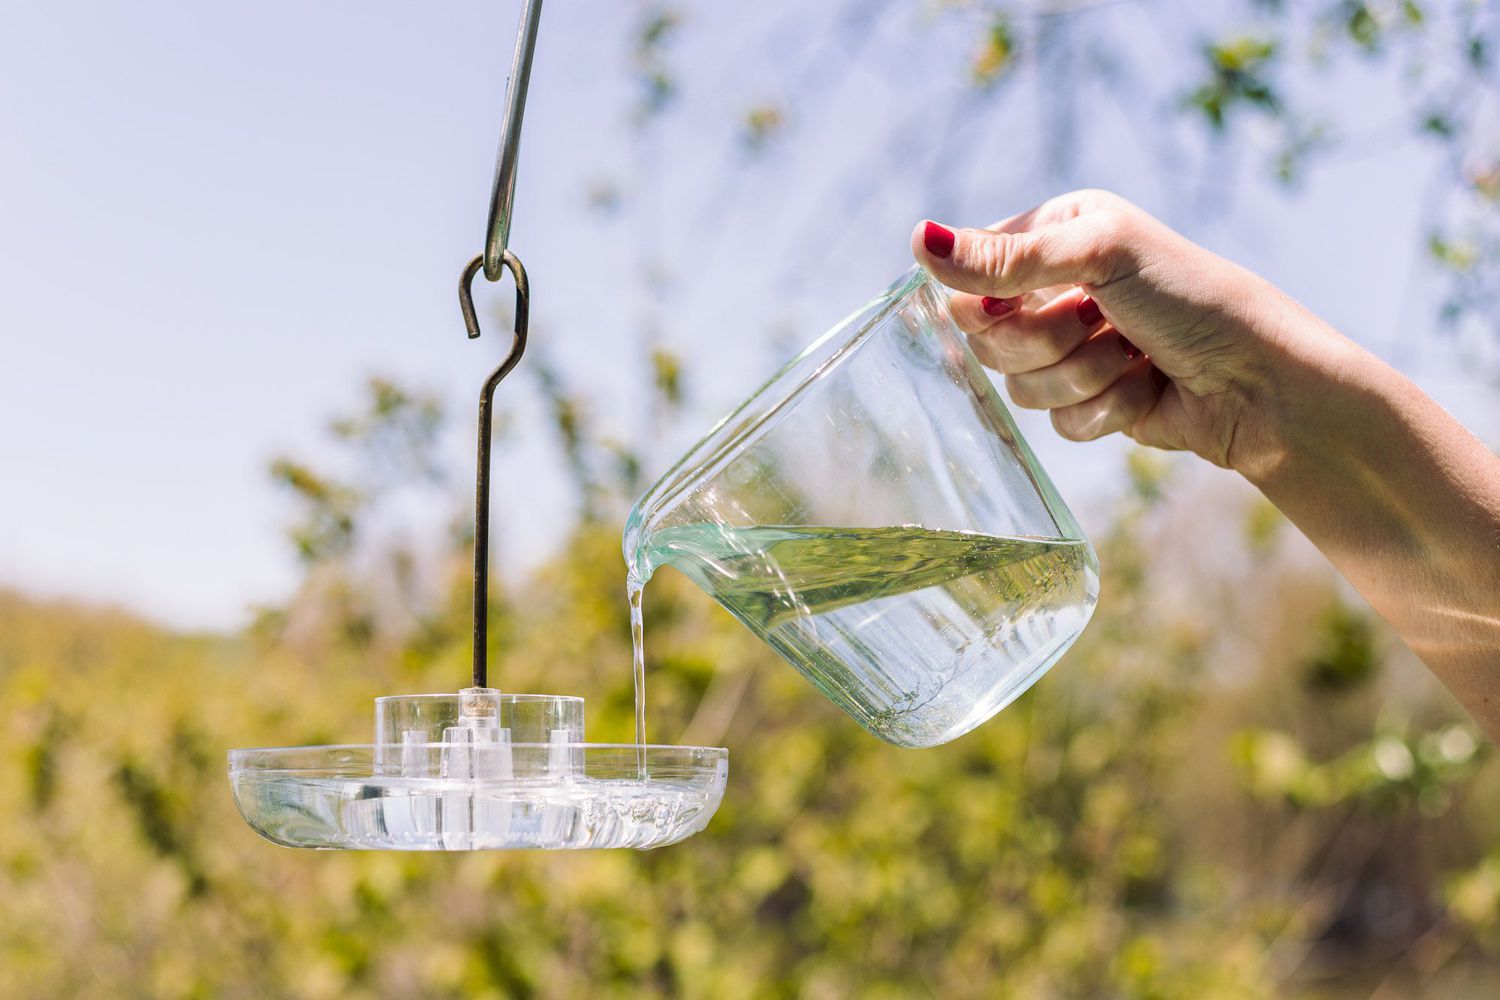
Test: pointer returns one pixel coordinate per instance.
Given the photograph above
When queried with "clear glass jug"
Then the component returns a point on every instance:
(873, 515)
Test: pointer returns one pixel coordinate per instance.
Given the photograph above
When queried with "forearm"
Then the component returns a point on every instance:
(1403, 500)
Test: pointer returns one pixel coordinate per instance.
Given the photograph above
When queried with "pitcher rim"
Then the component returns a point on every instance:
(676, 476)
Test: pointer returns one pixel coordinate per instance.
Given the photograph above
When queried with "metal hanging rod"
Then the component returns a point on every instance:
(494, 261)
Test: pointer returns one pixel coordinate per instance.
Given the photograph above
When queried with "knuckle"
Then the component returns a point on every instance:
(1066, 423)
(1020, 392)
(1085, 421)
(1112, 235)
(994, 255)
(1002, 353)
(983, 350)
(1105, 199)
(970, 325)
(1052, 347)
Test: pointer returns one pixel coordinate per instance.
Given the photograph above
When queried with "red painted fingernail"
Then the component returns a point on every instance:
(1088, 311)
(1131, 351)
(938, 240)
(996, 307)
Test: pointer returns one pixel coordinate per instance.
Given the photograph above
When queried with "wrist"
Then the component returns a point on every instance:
(1308, 403)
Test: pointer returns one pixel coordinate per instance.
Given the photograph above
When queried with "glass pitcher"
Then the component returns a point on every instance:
(873, 515)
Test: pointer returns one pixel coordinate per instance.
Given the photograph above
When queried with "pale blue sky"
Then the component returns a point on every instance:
(220, 218)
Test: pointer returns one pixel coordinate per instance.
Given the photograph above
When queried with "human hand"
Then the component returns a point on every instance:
(1099, 313)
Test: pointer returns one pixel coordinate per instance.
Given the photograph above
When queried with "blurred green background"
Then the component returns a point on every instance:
(1237, 784)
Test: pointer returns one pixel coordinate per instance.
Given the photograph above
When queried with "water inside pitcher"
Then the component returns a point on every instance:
(873, 515)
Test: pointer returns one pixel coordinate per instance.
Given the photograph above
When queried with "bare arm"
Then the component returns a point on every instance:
(1104, 316)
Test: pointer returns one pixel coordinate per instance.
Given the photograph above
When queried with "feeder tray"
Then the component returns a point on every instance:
(478, 770)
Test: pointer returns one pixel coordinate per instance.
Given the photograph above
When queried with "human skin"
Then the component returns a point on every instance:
(1099, 313)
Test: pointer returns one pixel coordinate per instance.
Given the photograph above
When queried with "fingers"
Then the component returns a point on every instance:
(1120, 407)
(1090, 249)
(976, 313)
(1085, 373)
(1023, 340)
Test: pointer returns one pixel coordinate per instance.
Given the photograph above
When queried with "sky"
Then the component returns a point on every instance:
(219, 219)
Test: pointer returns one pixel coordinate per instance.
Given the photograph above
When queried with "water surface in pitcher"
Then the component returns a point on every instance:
(918, 634)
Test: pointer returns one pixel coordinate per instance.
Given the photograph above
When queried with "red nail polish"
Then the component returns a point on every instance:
(996, 307)
(1088, 311)
(938, 240)
(1131, 351)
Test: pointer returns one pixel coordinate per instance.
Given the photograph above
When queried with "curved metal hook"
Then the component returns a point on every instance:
(486, 424)
(466, 294)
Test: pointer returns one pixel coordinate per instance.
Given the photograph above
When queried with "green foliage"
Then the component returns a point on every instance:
(666, 376)
(1238, 77)
(658, 85)
(1046, 854)
(569, 420)
(762, 123)
(998, 53)
(1368, 24)
(1263, 525)
(391, 441)
(394, 435)
(1382, 773)
(1346, 655)
(325, 528)
(1458, 256)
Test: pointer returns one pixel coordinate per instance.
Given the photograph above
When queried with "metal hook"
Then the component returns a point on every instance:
(503, 193)
(486, 423)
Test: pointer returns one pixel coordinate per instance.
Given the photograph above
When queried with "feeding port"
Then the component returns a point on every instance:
(478, 770)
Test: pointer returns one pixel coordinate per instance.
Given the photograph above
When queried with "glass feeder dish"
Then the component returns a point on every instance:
(474, 771)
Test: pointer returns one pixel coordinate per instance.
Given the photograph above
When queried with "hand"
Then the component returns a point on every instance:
(1101, 314)
(1098, 312)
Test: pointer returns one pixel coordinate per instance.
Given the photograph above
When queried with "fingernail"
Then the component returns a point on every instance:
(996, 307)
(1088, 311)
(938, 240)
(1131, 351)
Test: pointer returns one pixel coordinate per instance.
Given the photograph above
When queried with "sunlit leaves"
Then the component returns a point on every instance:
(1460, 255)
(1486, 182)
(1367, 23)
(389, 445)
(1262, 525)
(762, 123)
(1473, 896)
(1034, 857)
(395, 432)
(1300, 144)
(1382, 773)
(1238, 77)
(1345, 657)
(997, 54)
(1148, 471)
(657, 82)
(666, 376)
(325, 527)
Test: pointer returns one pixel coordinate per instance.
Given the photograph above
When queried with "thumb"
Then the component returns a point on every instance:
(1092, 249)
